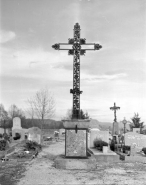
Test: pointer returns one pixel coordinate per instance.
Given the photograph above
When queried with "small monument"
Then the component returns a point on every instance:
(17, 129)
(133, 149)
(115, 130)
(34, 134)
(76, 129)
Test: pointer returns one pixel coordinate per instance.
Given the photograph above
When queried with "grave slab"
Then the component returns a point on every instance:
(75, 164)
(110, 156)
(139, 139)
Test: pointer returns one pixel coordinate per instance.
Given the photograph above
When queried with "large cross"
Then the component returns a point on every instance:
(114, 108)
(76, 51)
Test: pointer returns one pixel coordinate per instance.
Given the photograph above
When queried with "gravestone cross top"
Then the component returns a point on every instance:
(114, 108)
(76, 51)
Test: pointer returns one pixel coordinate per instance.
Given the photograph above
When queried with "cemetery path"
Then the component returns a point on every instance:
(41, 171)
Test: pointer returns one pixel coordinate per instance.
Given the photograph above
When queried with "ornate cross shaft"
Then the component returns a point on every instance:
(76, 51)
(114, 108)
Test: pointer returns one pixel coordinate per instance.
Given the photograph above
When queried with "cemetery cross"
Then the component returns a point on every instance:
(76, 51)
(115, 108)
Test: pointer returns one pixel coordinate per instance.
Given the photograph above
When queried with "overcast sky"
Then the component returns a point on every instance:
(116, 73)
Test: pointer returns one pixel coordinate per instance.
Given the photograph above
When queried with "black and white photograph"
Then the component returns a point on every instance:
(72, 92)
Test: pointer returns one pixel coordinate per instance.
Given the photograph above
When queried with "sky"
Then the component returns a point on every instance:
(115, 73)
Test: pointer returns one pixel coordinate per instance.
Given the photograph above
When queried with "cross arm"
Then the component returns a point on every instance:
(114, 108)
(57, 46)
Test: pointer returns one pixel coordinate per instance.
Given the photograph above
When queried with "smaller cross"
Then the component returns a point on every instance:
(114, 108)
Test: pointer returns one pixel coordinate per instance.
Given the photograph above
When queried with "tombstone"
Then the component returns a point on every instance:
(56, 135)
(76, 141)
(136, 130)
(103, 135)
(133, 149)
(34, 134)
(17, 123)
(61, 131)
(17, 130)
(139, 139)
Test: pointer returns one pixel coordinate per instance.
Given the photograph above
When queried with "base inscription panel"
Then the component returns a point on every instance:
(76, 143)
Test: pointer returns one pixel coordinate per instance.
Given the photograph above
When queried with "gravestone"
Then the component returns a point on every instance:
(133, 149)
(34, 134)
(139, 139)
(17, 123)
(17, 129)
(103, 135)
(136, 130)
(76, 138)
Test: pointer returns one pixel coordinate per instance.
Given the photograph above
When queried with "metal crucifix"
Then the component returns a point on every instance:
(76, 51)
(114, 108)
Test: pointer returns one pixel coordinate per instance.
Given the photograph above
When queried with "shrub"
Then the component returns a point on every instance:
(112, 145)
(32, 145)
(104, 143)
(98, 143)
(126, 147)
(3, 144)
(144, 150)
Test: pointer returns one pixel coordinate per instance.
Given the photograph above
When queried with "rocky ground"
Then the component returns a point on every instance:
(41, 171)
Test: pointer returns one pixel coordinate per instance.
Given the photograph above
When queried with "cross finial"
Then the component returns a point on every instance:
(77, 50)
(114, 108)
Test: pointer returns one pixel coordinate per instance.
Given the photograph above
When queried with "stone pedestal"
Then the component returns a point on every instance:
(115, 130)
(76, 138)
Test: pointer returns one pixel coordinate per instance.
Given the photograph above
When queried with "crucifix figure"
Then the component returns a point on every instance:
(114, 108)
(76, 51)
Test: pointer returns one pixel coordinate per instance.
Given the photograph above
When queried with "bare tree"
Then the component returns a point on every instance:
(14, 111)
(3, 113)
(42, 105)
(30, 111)
(3, 116)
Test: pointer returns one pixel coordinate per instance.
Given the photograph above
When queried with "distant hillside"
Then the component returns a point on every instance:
(27, 123)
(108, 125)
(52, 124)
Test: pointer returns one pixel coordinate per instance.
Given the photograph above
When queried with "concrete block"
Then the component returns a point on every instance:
(75, 164)
(141, 159)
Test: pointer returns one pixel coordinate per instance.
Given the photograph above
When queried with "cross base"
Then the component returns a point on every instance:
(76, 143)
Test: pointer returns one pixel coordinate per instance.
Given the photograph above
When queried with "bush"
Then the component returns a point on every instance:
(112, 145)
(98, 143)
(144, 150)
(126, 147)
(32, 145)
(3, 144)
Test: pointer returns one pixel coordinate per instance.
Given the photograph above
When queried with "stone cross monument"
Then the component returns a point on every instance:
(77, 50)
(115, 123)
(76, 129)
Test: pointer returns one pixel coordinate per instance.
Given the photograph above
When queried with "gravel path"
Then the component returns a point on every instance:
(41, 171)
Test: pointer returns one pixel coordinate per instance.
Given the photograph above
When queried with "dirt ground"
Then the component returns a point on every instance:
(41, 171)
